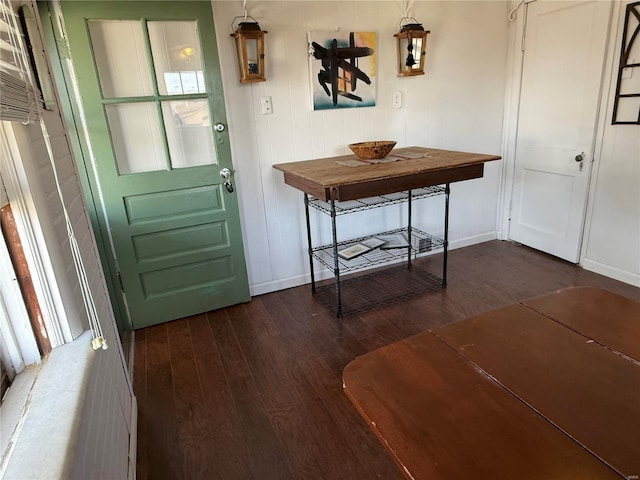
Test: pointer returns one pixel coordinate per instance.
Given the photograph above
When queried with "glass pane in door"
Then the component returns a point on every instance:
(136, 137)
(176, 55)
(189, 133)
(120, 56)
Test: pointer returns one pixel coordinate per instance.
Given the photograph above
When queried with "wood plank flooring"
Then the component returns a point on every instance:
(254, 391)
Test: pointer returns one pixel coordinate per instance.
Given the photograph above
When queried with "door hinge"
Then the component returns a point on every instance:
(120, 281)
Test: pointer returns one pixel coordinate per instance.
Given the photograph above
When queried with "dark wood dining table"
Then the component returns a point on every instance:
(548, 388)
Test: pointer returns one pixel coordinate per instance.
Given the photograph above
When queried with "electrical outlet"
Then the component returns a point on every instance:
(267, 107)
(396, 99)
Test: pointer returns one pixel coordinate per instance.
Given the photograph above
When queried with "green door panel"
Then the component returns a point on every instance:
(149, 78)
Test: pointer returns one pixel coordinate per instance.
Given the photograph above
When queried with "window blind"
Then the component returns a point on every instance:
(19, 99)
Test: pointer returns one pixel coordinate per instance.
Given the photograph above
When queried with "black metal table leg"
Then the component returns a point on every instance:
(306, 211)
(447, 191)
(409, 229)
(336, 265)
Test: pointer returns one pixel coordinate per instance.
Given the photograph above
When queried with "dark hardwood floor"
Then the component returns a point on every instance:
(255, 390)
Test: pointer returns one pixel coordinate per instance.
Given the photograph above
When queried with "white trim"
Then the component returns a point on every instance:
(10, 354)
(133, 439)
(611, 272)
(612, 56)
(15, 404)
(515, 62)
(17, 334)
(32, 238)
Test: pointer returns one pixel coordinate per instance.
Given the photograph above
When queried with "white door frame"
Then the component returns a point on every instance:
(18, 343)
(35, 249)
(515, 63)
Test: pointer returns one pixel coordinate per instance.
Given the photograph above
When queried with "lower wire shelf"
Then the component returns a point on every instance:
(421, 242)
(378, 288)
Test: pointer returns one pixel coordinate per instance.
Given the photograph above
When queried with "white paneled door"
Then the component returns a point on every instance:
(564, 47)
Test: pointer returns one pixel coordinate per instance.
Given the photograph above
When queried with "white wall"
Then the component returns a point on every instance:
(612, 238)
(457, 105)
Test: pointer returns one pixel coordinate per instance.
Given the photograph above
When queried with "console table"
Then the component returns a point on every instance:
(334, 188)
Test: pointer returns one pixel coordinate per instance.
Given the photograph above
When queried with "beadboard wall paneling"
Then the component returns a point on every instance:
(457, 105)
(102, 448)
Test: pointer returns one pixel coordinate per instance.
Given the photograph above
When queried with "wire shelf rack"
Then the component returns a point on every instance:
(365, 292)
(421, 242)
(351, 206)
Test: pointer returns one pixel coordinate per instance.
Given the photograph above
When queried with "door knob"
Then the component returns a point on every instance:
(225, 173)
(219, 127)
(580, 157)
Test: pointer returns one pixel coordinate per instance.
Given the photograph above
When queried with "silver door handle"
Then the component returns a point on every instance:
(219, 127)
(225, 173)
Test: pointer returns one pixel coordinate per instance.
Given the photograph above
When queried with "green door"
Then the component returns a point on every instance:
(151, 90)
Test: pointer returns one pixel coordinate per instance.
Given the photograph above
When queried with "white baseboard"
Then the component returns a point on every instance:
(612, 272)
(476, 239)
(323, 274)
(276, 285)
(133, 439)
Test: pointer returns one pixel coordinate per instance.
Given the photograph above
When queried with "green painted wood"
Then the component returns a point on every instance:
(175, 232)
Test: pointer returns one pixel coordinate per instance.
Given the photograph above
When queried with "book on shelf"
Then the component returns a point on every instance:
(394, 240)
(353, 251)
(373, 242)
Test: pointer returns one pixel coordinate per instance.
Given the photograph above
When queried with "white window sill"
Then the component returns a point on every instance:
(42, 442)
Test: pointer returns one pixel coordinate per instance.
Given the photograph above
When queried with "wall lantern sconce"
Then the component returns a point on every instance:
(250, 49)
(412, 47)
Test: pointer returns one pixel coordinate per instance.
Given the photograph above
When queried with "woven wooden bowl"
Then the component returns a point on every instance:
(372, 150)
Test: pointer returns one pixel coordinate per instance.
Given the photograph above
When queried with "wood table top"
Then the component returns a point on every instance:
(514, 393)
(580, 309)
(327, 179)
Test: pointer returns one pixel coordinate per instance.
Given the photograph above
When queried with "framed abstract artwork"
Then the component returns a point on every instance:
(343, 69)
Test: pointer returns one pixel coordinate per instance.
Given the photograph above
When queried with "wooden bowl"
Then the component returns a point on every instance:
(372, 150)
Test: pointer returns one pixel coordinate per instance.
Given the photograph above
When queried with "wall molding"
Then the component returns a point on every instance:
(612, 272)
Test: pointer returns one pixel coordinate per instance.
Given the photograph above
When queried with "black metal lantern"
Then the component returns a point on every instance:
(250, 49)
(412, 47)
